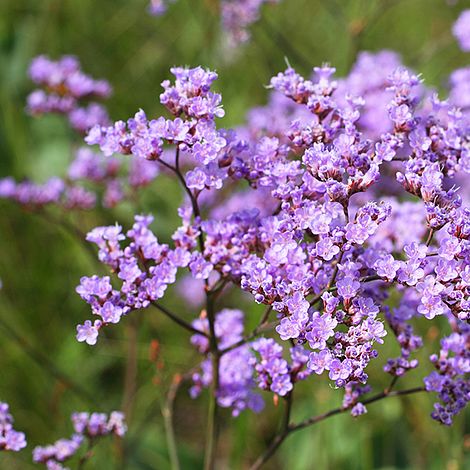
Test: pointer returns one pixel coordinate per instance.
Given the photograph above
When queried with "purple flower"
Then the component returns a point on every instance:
(358, 409)
(434, 382)
(64, 86)
(375, 330)
(86, 426)
(288, 329)
(9, 438)
(94, 286)
(348, 287)
(310, 232)
(387, 267)
(326, 249)
(159, 7)
(321, 329)
(129, 270)
(367, 307)
(320, 361)
(340, 370)
(110, 313)
(88, 332)
(281, 385)
(411, 272)
(449, 248)
(200, 268)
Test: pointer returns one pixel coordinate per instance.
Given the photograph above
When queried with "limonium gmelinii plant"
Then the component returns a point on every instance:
(334, 197)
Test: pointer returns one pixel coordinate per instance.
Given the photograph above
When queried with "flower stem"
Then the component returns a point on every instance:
(430, 235)
(87, 455)
(290, 428)
(212, 418)
(167, 412)
(178, 320)
(279, 437)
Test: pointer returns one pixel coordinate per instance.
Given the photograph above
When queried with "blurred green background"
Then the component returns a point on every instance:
(45, 374)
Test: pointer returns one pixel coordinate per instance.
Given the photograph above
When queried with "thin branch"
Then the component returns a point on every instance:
(394, 381)
(335, 272)
(212, 420)
(87, 455)
(179, 320)
(218, 287)
(265, 316)
(177, 172)
(196, 211)
(167, 412)
(430, 235)
(371, 278)
(378, 397)
(212, 423)
(279, 438)
(287, 412)
(256, 332)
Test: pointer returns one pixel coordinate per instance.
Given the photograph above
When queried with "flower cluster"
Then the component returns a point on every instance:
(340, 206)
(399, 321)
(54, 191)
(450, 379)
(87, 427)
(193, 130)
(352, 394)
(91, 177)
(111, 176)
(236, 374)
(325, 244)
(63, 89)
(273, 371)
(144, 268)
(9, 438)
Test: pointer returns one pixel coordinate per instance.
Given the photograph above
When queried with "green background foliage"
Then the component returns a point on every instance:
(45, 374)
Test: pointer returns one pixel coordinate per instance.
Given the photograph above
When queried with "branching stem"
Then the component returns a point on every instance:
(172, 316)
(291, 428)
(212, 420)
